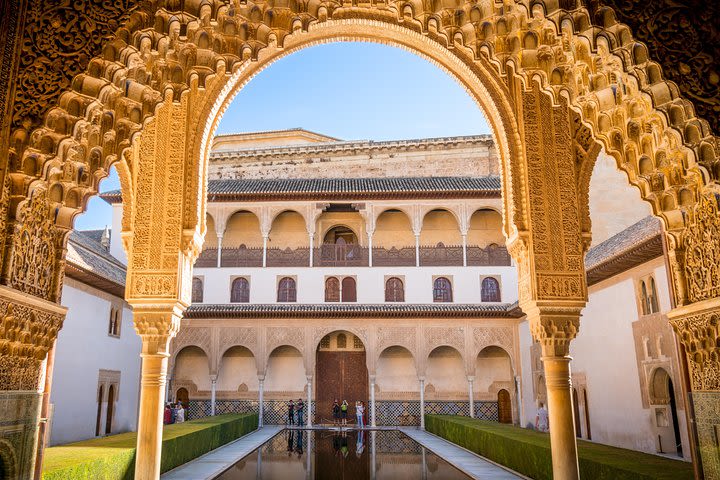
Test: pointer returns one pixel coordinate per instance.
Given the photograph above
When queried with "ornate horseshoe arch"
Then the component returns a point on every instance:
(555, 84)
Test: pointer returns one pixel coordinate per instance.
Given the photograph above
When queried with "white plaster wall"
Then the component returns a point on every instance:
(238, 366)
(614, 203)
(192, 365)
(116, 248)
(396, 371)
(285, 371)
(445, 371)
(370, 282)
(83, 348)
(605, 351)
(492, 365)
(529, 409)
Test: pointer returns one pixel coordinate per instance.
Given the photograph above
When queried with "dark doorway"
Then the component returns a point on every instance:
(99, 411)
(341, 373)
(673, 412)
(181, 396)
(576, 411)
(110, 410)
(504, 407)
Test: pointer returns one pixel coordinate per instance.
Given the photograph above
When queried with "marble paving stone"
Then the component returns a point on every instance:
(468, 462)
(214, 463)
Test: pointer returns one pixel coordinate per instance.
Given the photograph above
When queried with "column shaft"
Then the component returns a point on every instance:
(417, 250)
(264, 258)
(219, 251)
(150, 421)
(309, 402)
(464, 245)
(471, 396)
(422, 404)
(372, 402)
(562, 420)
(213, 383)
(370, 249)
(261, 400)
(312, 248)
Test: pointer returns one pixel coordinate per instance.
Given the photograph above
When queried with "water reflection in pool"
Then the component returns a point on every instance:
(349, 455)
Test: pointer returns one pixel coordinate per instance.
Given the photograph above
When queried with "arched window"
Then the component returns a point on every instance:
(654, 308)
(394, 290)
(240, 291)
(332, 290)
(114, 323)
(197, 290)
(442, 290)
(286, 290)
(644, 298)
(490, 290)
(349, 290)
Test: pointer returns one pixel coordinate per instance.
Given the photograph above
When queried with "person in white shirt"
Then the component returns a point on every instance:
(180, 418)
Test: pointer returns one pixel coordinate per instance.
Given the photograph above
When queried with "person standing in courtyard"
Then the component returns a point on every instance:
(300, 407)
(360, 414)
(344, 411)
(541, 420)
(291, 413)
(180, 416)
(167, 415)
(336, 412)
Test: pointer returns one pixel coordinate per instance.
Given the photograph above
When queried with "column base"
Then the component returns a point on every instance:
(19, 413)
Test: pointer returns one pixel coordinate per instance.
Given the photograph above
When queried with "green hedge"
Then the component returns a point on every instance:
(113, 457)
(528, 452)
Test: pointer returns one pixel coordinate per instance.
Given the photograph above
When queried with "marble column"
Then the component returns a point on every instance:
(471, 395)
(264, 256)
(370, 248)
(562, 421)
(219, 251)
(213, 385)
(464, 246)
(311, 236)
(422, 403)
(372, 401)
(417, 249)
(261, 400)
(309, 401)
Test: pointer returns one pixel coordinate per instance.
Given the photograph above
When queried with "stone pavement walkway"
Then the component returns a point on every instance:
(214, 463)
(464, 460)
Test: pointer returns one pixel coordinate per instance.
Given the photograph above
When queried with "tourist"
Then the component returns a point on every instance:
(180, 416)
(291, 413)
(173, 412)
(299, 407)
(343, 412)
(167, 415)
(365, 414)
(541, 420)
(336, 412)
(359, 412)
(360, 445)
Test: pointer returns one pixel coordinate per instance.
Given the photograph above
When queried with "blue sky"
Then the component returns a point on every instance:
(346, 90)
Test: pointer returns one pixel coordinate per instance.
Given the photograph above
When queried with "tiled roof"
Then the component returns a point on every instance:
(244, 310)
(89, 262)
(356, 188)
(631, 247)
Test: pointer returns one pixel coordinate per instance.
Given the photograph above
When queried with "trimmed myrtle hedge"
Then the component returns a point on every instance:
(528, 452)
(113, 457)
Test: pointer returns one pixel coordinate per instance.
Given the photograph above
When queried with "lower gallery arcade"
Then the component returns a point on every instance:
(401, 367)
(556, 82)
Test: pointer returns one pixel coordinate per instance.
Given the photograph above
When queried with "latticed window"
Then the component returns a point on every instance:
(357, 343)
(442, 290)
(325, 342)
(394, 290)
(349, 290)
(197, 290)
(332, 290)
(240, 291)
(341, 341)
(286, 290)
(490, 290)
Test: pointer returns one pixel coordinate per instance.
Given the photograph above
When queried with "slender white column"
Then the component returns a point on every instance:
(518, 396)
(422, 403)
(261, 400)
(312, 247)
(464, 245)
(219, 251)
(309, 401)
(417, 249)
(265, 240)
(213, 383)
(168, 389)
(471, 396)
(372, 401)
(370, 247)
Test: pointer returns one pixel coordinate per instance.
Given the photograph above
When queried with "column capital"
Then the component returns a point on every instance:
(471, 378)
(213, 378)
(261, 378)
(309, 378)
(697, 326)
(554, 324)
(157, 325)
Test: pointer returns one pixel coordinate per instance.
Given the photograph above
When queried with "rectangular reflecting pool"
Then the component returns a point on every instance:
(348, 455)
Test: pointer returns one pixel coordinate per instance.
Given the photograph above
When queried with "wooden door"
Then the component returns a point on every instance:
(342, 376)
(504, 407)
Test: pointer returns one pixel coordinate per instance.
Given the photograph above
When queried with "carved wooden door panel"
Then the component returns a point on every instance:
(341, 375)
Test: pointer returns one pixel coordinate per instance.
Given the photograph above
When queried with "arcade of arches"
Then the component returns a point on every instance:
(556, 83)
